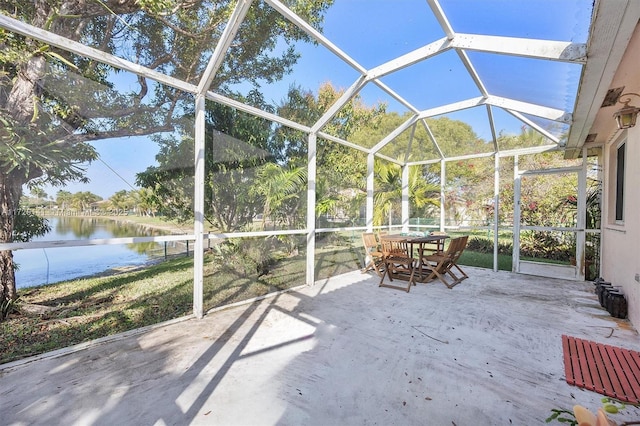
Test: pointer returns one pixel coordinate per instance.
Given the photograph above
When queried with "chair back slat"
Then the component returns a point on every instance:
(373, 254)
(370, 241)
(395, 248)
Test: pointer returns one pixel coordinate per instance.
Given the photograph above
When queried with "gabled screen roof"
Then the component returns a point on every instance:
(500, 66)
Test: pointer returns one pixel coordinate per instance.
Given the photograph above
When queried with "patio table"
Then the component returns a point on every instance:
(418, 240)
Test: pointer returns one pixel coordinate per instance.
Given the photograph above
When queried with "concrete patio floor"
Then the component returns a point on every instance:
(344, 352)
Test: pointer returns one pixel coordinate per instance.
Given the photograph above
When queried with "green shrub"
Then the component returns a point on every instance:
(485, 245)
(7, 307)
(534, 244)
(544, 245)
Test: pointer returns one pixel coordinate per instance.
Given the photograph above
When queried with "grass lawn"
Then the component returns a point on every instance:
(485, 260)
(63, 314)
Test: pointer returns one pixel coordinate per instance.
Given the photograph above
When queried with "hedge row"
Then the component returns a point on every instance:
(537, 246)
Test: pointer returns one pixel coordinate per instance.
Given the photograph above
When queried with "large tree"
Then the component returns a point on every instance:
(236, 145)
(53, 103)
(341, 170)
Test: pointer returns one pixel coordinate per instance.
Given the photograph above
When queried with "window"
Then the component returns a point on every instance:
(620, 183)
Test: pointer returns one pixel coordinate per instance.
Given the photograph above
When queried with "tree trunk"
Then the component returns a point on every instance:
(20, 106)
(10, 192)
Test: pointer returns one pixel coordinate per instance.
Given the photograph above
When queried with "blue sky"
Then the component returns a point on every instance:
(372, 32)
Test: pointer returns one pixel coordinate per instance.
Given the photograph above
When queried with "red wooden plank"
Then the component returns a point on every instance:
(616, 390)
(575, 363)
(620, 373)
(568, 370)
(588, 361)
(594, 361)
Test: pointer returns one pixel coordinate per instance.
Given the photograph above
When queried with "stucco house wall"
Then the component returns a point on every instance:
(621, 240)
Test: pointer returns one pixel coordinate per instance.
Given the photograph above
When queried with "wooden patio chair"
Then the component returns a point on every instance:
(398, 263)
(441, 265)
(373, 255)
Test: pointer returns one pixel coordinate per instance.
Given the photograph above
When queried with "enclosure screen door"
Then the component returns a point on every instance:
(549, 234)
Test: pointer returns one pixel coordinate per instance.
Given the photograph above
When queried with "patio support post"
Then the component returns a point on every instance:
(496, 209)
(599, 177)
(405, 198)
(581, 235)
(198, 207)
(515, 265)
(370, 181)
(443, 177)
(311, 208)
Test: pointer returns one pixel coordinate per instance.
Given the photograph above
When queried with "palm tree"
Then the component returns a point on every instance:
(63, 199)
(388, 191)
(280, 187)
(147, 202)
(120, 201)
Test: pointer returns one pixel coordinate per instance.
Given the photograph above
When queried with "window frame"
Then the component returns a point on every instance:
(619, 157)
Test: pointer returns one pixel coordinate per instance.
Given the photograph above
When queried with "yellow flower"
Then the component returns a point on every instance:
(587, 418)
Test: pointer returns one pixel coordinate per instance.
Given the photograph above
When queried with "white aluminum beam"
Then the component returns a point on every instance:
(409, 59)
(404, 126)
(581, 236)
(529, 108)
(198, 206)
(370, 192)
(312, 170)
(319, 37)
(212, 96)
(200, 129)
(343, 142)
(424, 162)
(441, 17)
(443, 180)
(530, 48)
(470, 156)
(472, 72)
(404, 203)
(530, 123)
(515, 256)
(92, 53)
(229, 33)
(501, 154)
(551, 171)
(389, 159)
(432, 137)
(339, 103)
(94, 242)
(496, 210)
(456, 106)
(226, 235)
(527, 151)
(395, 96)
(492, 126)
(411, 135)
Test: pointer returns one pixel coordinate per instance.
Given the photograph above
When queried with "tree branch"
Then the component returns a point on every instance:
(87, 137)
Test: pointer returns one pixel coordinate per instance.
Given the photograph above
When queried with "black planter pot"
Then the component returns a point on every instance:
(601, 290)
(616, 304)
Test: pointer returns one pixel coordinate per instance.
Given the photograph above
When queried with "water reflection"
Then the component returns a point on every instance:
(84, 228)
(46, 266)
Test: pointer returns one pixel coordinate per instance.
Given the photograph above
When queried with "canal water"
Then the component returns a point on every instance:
(46, 266)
